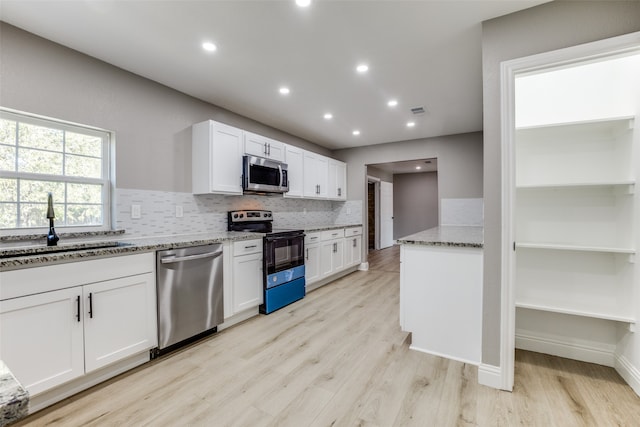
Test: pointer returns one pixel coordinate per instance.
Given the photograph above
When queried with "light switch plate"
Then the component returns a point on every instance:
(179, 211)
(135, 212)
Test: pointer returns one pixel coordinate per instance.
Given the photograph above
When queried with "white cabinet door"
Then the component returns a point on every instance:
(337, 180)
(216, 158)
(293, 157)
(247, 281)
(41, 338)
(119, 319)
(312, 263)
(261, 146)
(353, 251)
(316, 172)
(337, 256)
(326, 258)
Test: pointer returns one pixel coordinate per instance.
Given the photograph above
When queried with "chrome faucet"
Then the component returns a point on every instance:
(52, 237)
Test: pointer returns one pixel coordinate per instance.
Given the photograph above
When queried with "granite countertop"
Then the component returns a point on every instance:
(23, 255)
(312, 228)
(16, 254)
(14, 399)
(453, 236)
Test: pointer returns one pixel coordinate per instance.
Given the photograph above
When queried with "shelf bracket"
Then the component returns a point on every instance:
(632, 258)
(632, 327)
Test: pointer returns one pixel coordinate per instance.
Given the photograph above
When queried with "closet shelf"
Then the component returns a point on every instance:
(581, 248)
(623, 183)
(575, 312)
(601, 122)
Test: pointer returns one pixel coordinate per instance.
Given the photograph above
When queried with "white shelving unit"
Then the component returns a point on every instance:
(575, 213)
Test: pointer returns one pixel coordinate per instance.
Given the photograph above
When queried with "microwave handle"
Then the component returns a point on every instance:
(282, 183)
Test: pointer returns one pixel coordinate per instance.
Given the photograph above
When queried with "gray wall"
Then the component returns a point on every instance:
(415, 202)
(152, 123)
(540, 29)
(379, 173)
(459, 164)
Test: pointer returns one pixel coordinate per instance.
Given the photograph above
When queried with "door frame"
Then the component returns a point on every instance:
(376, 214)
(503, 376)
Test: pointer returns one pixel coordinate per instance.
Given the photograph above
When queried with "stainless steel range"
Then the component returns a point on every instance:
(283, 258)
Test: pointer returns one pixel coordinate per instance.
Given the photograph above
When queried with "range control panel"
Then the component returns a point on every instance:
(244, 216)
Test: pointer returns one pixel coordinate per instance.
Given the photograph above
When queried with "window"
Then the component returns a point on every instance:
(40, 156)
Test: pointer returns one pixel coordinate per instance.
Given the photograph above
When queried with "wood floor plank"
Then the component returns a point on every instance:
(338, 358)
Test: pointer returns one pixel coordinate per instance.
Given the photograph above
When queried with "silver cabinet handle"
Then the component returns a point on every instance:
(173, 258)
(354, 242)
(307, 255)
(252, 246)
(339, 191)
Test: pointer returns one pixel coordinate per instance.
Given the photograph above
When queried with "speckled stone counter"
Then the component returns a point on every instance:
(454, 236)
(312, 228)
(21, 255)
(14, 399)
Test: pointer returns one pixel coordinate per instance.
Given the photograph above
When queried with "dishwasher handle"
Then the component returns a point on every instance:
(171, 259)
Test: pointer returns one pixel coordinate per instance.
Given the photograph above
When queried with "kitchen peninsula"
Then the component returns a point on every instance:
(441, 291)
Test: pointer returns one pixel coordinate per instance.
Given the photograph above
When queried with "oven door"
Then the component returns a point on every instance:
(283, 253)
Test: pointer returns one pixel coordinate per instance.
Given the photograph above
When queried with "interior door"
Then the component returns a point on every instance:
(386, 214)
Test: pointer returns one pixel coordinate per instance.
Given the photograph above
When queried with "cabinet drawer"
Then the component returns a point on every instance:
(311, 238)
(353, 231)
(332, 234)
(245, 247)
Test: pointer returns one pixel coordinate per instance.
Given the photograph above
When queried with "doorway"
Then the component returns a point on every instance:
(371, 214)
(569, 208)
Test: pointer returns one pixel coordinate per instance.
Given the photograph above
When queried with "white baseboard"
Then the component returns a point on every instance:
(585, 351)
(434, 353)
(49, 397)
(490, 375)
(628, 372)
(364, 266)
(238, 317)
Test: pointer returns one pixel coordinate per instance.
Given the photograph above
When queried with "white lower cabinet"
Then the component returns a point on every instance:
(51, 336)
(312, 257)
(118, 319)
(353, 246)
(41, 338)
(247, 275)
(331, 252)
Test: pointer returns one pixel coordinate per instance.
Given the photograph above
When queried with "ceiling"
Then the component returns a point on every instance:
(408, 166)
(421, 53)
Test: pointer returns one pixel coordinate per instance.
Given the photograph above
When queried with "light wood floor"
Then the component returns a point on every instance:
(338, 358)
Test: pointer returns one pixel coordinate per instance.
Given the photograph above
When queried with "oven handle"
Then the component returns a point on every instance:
(172, 259)
(295, 236)
(280, 170)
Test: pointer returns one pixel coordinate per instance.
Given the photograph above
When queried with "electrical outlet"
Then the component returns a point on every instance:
(179, 211)
(304, 211)
(135, 212)
(348, 211)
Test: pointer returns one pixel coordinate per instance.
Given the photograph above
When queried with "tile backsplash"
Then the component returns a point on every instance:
(208, 213)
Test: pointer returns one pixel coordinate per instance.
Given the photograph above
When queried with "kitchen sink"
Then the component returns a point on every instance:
(43, 249)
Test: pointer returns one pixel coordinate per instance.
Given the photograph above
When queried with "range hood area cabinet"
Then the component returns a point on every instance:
(217, 151)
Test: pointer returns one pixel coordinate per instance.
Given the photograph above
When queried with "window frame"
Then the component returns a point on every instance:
(107, 171)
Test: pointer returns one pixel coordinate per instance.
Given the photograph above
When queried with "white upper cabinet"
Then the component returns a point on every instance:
(316, 172)
(293, 157)
(216, 158)
(261, 146)
(337, 181)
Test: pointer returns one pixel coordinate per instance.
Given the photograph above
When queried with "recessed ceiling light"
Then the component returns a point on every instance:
(356, 132)
(303, 3)
(392, 103)
(209, 47)
(284, 90)
(418, 167)
(328, 116)
(362, 68)
(411, 124)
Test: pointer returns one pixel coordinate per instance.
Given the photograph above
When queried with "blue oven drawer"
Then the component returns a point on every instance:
(280, 296)
(284, 276)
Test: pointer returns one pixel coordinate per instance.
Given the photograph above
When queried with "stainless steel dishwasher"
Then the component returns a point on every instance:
(189, 284)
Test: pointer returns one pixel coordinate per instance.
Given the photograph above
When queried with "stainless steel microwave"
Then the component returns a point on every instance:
(260, 175)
